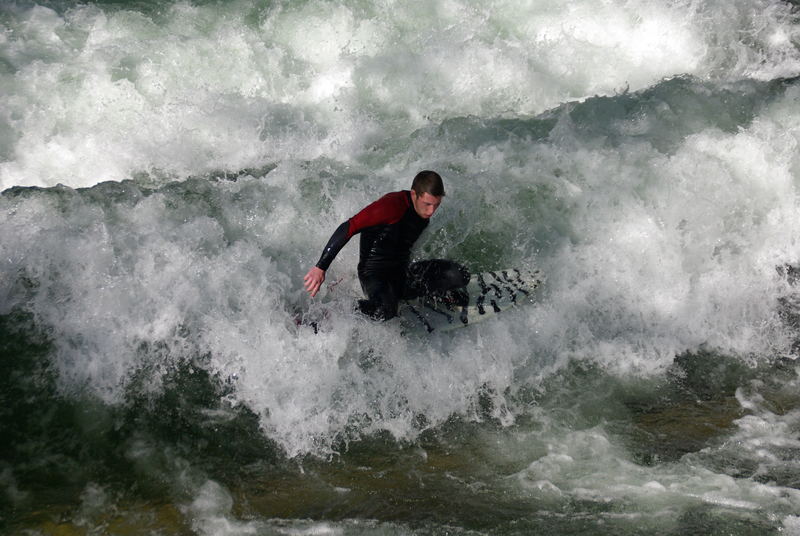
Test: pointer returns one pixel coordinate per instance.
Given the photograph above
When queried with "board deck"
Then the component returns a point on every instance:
(487, 294)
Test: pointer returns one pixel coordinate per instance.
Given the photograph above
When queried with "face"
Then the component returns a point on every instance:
(425, 204)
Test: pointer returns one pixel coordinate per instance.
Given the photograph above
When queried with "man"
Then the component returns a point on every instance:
(389, 227)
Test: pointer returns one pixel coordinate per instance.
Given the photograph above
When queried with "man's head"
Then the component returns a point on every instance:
(428, 182)
(427, 191)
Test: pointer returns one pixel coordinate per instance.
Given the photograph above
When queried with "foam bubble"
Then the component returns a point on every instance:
(210, 512)
(791, 524)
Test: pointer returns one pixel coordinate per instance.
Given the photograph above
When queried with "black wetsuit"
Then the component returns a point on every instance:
(389, 227)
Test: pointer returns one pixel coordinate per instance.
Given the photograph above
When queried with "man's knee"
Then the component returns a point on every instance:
(377, 310)
(437, 275)
(453, 275)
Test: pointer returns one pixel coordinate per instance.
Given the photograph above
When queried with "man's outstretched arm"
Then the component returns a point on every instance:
(316, 275)
(388, 209)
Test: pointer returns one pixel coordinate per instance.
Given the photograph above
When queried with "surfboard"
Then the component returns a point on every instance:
(485, 295)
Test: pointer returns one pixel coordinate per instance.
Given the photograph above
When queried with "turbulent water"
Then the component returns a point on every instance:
(169, 172)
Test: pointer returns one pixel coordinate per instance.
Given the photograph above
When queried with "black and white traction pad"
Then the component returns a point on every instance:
(485, 295)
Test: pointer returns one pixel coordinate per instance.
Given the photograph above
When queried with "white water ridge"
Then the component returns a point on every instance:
(91, 95)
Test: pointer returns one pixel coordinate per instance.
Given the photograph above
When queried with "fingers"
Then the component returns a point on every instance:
(312, 287)
(313, 281)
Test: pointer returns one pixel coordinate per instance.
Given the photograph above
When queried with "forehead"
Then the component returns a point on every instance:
(427, 198)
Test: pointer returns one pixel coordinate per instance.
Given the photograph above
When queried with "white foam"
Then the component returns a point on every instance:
(647, 253)
(585, 465)
(210, 513)
(96, 95)
(652, 255)
(791, 525)
(592, 465)
(661, 253)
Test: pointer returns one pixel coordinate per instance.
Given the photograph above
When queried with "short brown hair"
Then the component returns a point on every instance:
(428, 182)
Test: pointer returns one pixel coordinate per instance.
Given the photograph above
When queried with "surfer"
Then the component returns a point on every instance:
(389, 227)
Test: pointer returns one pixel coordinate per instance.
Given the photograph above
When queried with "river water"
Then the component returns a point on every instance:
(169, 172)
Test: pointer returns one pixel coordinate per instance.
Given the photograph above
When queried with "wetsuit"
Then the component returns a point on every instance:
(389, 227)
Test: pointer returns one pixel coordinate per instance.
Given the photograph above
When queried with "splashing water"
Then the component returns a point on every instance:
(170, 171)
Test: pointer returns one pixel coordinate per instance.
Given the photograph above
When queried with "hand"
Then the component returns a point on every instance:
(313, 280)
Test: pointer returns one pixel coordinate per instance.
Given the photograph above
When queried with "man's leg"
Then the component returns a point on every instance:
(383, 295)
(438, 279)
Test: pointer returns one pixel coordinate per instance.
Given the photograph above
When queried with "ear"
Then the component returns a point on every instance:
(413, 196)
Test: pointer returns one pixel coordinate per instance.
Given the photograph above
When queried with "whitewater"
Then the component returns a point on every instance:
(170, 171)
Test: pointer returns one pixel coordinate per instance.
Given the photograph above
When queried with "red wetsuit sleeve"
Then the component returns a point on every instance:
(385, 211)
